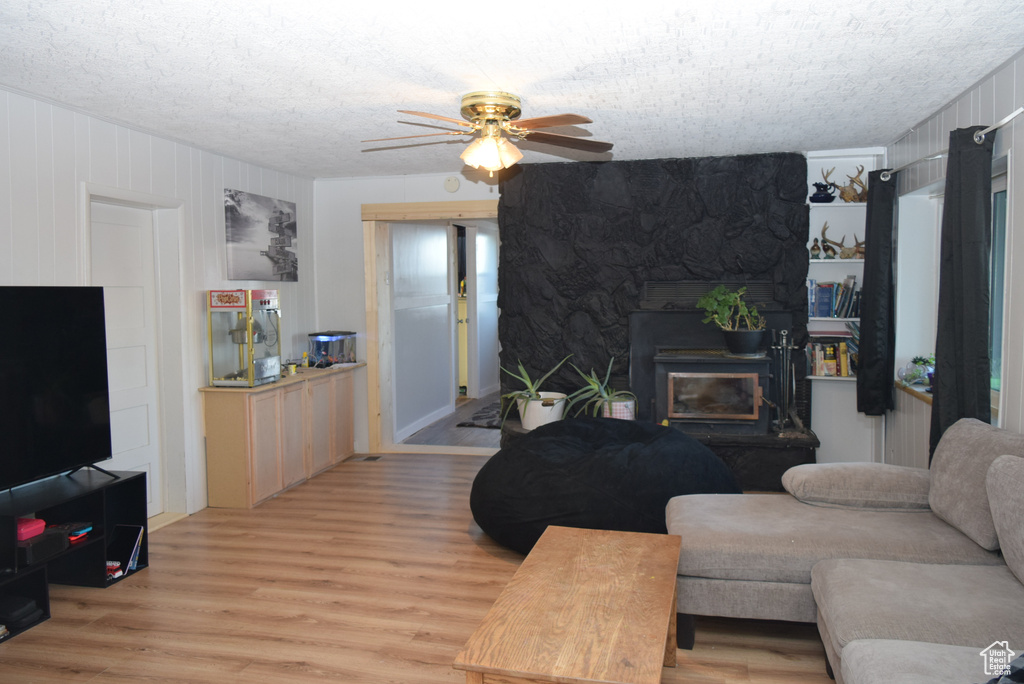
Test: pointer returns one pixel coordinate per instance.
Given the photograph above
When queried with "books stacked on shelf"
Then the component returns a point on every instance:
(834, 353)
(833, 299)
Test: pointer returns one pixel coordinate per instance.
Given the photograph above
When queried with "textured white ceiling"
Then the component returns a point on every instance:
(296, 85)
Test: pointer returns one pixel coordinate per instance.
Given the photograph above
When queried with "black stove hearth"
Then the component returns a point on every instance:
(684, 377)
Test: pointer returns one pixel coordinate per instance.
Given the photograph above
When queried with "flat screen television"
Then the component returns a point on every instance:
(54, 398)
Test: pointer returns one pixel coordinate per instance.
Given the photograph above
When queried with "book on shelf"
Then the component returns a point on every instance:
(125, 545)
(830, 332)
(834, 299)
(812, 290)
(829, 359)
(845, 305)
(824, 300)
(844, 360)
(855, 306)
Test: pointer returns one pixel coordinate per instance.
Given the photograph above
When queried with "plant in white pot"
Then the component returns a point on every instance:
(597, 398)
(742, 325)
(536, 408)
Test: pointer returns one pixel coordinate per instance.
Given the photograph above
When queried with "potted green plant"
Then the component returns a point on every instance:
(597, 397)
(742, 325)
(536, 408)
(918, 371)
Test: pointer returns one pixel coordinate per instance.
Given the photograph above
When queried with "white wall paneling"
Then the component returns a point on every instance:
(990, 100)
(906, 432)
(849, 435)
(48, 153)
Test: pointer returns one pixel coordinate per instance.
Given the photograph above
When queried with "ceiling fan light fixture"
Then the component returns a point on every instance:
(508, 152)
(492, 153)
(493, 115)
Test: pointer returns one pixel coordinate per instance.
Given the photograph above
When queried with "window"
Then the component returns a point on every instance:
(996, 279)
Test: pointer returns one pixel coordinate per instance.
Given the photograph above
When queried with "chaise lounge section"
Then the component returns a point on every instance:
(752, 555)
(868, 610)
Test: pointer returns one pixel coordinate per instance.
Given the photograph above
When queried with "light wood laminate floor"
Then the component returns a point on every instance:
(371, 572)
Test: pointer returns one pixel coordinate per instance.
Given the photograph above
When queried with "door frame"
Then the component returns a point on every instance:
(168, 227)
(473, 382)
(379, 338)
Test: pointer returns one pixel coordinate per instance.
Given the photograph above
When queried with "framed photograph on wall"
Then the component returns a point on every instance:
(260, 235)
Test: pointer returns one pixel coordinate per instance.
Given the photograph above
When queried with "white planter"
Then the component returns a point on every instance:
(536, 412)
(626, 409)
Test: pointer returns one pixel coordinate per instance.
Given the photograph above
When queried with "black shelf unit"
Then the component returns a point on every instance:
(84, 496)
(30, 584)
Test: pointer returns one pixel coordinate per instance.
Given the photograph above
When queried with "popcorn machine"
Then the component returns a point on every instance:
(245, 337)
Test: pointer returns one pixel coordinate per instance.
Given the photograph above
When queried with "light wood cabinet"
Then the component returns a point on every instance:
(265, 444)
(293, 434)
(320, 416)
(330, 421)
(262, 440)
(343, 429)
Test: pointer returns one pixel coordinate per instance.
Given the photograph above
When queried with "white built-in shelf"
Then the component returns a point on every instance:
(832, 319)
(835, 261)
(835, 378)
(837, 203)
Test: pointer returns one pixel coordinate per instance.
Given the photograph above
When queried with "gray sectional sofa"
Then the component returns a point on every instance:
(901, 568)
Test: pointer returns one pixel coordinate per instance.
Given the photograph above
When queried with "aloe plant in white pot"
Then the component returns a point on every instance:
(596, 397)
(536, 408)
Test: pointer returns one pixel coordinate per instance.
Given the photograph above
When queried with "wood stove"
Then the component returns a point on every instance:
(665, 345)
(710, 391)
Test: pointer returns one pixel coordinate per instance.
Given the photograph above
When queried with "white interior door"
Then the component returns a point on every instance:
(122, 261)
(423, 309)
(482, 308)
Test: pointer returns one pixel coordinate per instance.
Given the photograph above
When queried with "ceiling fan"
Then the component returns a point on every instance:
(495, 116)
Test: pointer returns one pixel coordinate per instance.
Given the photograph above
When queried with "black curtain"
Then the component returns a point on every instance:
(875, 371)
(961, 385)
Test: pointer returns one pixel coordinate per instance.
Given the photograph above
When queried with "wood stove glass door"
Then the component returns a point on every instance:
(732, 396)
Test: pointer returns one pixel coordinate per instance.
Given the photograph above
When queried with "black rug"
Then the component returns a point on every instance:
(487, 417)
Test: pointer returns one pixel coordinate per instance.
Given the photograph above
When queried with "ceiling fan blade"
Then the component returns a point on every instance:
(549, 121)
(585, 144)
(425, 135)
(436, 116)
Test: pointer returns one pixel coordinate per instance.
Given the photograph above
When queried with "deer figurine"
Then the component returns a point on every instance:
(858, 247)
(855, 191)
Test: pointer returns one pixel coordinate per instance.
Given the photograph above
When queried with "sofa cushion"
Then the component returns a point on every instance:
(775, 538)
(1005, 487)
(959, 465)
(960, 605)
(875, 486)
(885, 661)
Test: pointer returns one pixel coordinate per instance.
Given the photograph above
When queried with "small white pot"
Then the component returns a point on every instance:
(624, 409)
(536, 412)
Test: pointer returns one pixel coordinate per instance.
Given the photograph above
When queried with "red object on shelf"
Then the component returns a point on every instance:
(30, 527)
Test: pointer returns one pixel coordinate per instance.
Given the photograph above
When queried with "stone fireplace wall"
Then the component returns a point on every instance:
(579, 240)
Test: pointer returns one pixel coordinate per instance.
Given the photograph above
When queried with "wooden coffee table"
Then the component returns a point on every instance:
(585, 606)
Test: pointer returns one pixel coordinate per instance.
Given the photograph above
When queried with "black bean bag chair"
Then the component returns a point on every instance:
(595, 473)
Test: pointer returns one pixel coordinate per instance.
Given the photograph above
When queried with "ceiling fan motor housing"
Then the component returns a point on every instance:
(482, 106)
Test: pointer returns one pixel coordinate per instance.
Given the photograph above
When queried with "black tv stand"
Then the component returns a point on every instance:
(85, 496)
(94, 467)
